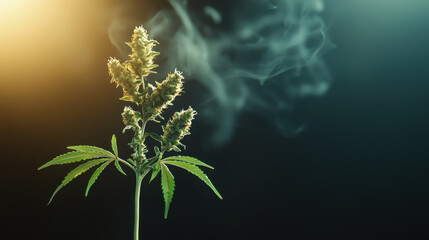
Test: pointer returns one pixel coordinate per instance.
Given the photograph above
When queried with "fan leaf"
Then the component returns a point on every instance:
(155, 172)
(95, 175)
(114, 145)
(72, 157)
(75, 173)
(196, 171)
(167, 185)
(86, 148)
(119, 167)
(188, 159)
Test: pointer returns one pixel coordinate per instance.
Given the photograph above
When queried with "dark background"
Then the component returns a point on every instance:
(359, 171)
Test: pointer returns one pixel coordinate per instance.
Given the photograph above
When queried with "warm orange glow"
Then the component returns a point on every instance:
(53, 56)
(42, 40)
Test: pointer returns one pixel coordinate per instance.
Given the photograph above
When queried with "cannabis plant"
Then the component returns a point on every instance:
(151, 100)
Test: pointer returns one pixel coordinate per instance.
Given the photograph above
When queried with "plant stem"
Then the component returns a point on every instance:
(139, 178)
(137, 206)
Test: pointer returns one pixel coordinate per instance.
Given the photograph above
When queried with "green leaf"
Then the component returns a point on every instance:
(95, 175)
(114, 145)
(72, 157)
(167, 185)
(127, 98)
(131, 161)
(187, 159)
(156, 149)
(119, 167)
(76, 172)
(155, 172)
(156, 137)
(196, 171)
(86, 148)
(153, 54)
(176, 149)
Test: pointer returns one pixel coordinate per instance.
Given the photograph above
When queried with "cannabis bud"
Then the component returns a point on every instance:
(142, 56)
(130, 119)
(163, 94)
(177, 127)
(123, 77)
(131, 73)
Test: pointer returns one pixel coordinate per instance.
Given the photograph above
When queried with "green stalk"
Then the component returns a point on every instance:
(139, 179)
(137, 206)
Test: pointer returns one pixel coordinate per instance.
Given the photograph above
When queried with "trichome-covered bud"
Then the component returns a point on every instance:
(131, 119)
(123, 77)
(142, 56)
(177, 127)
(163, 94)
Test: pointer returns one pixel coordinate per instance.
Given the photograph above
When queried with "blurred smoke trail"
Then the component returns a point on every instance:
(260, 61)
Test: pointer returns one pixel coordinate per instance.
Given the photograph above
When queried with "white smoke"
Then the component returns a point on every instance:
(259, 61)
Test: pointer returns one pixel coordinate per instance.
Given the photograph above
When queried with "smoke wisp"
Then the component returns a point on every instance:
(266, 55)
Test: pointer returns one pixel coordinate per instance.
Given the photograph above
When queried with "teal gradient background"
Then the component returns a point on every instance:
(358, 171)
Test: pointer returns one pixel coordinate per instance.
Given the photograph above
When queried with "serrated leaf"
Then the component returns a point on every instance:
(76, 172)
(119, 167)
(86, 148)
(196, 171)
(72, 157)
(95, 175)
(155, 172)
(167, 185)
(114, 145)
(188, 159)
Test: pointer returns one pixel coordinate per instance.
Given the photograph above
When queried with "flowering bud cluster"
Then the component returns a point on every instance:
(123, 77)
(130, 119)
(131, 73)
(131, 76)
(163, 94)
(141, 58)
(177, 127)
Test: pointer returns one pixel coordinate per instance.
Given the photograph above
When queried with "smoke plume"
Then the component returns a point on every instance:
(259, 57)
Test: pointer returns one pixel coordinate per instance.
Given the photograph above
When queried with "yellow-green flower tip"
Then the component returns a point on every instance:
(177, 127)
(142, 56)
(163, 95)
(123, 77)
